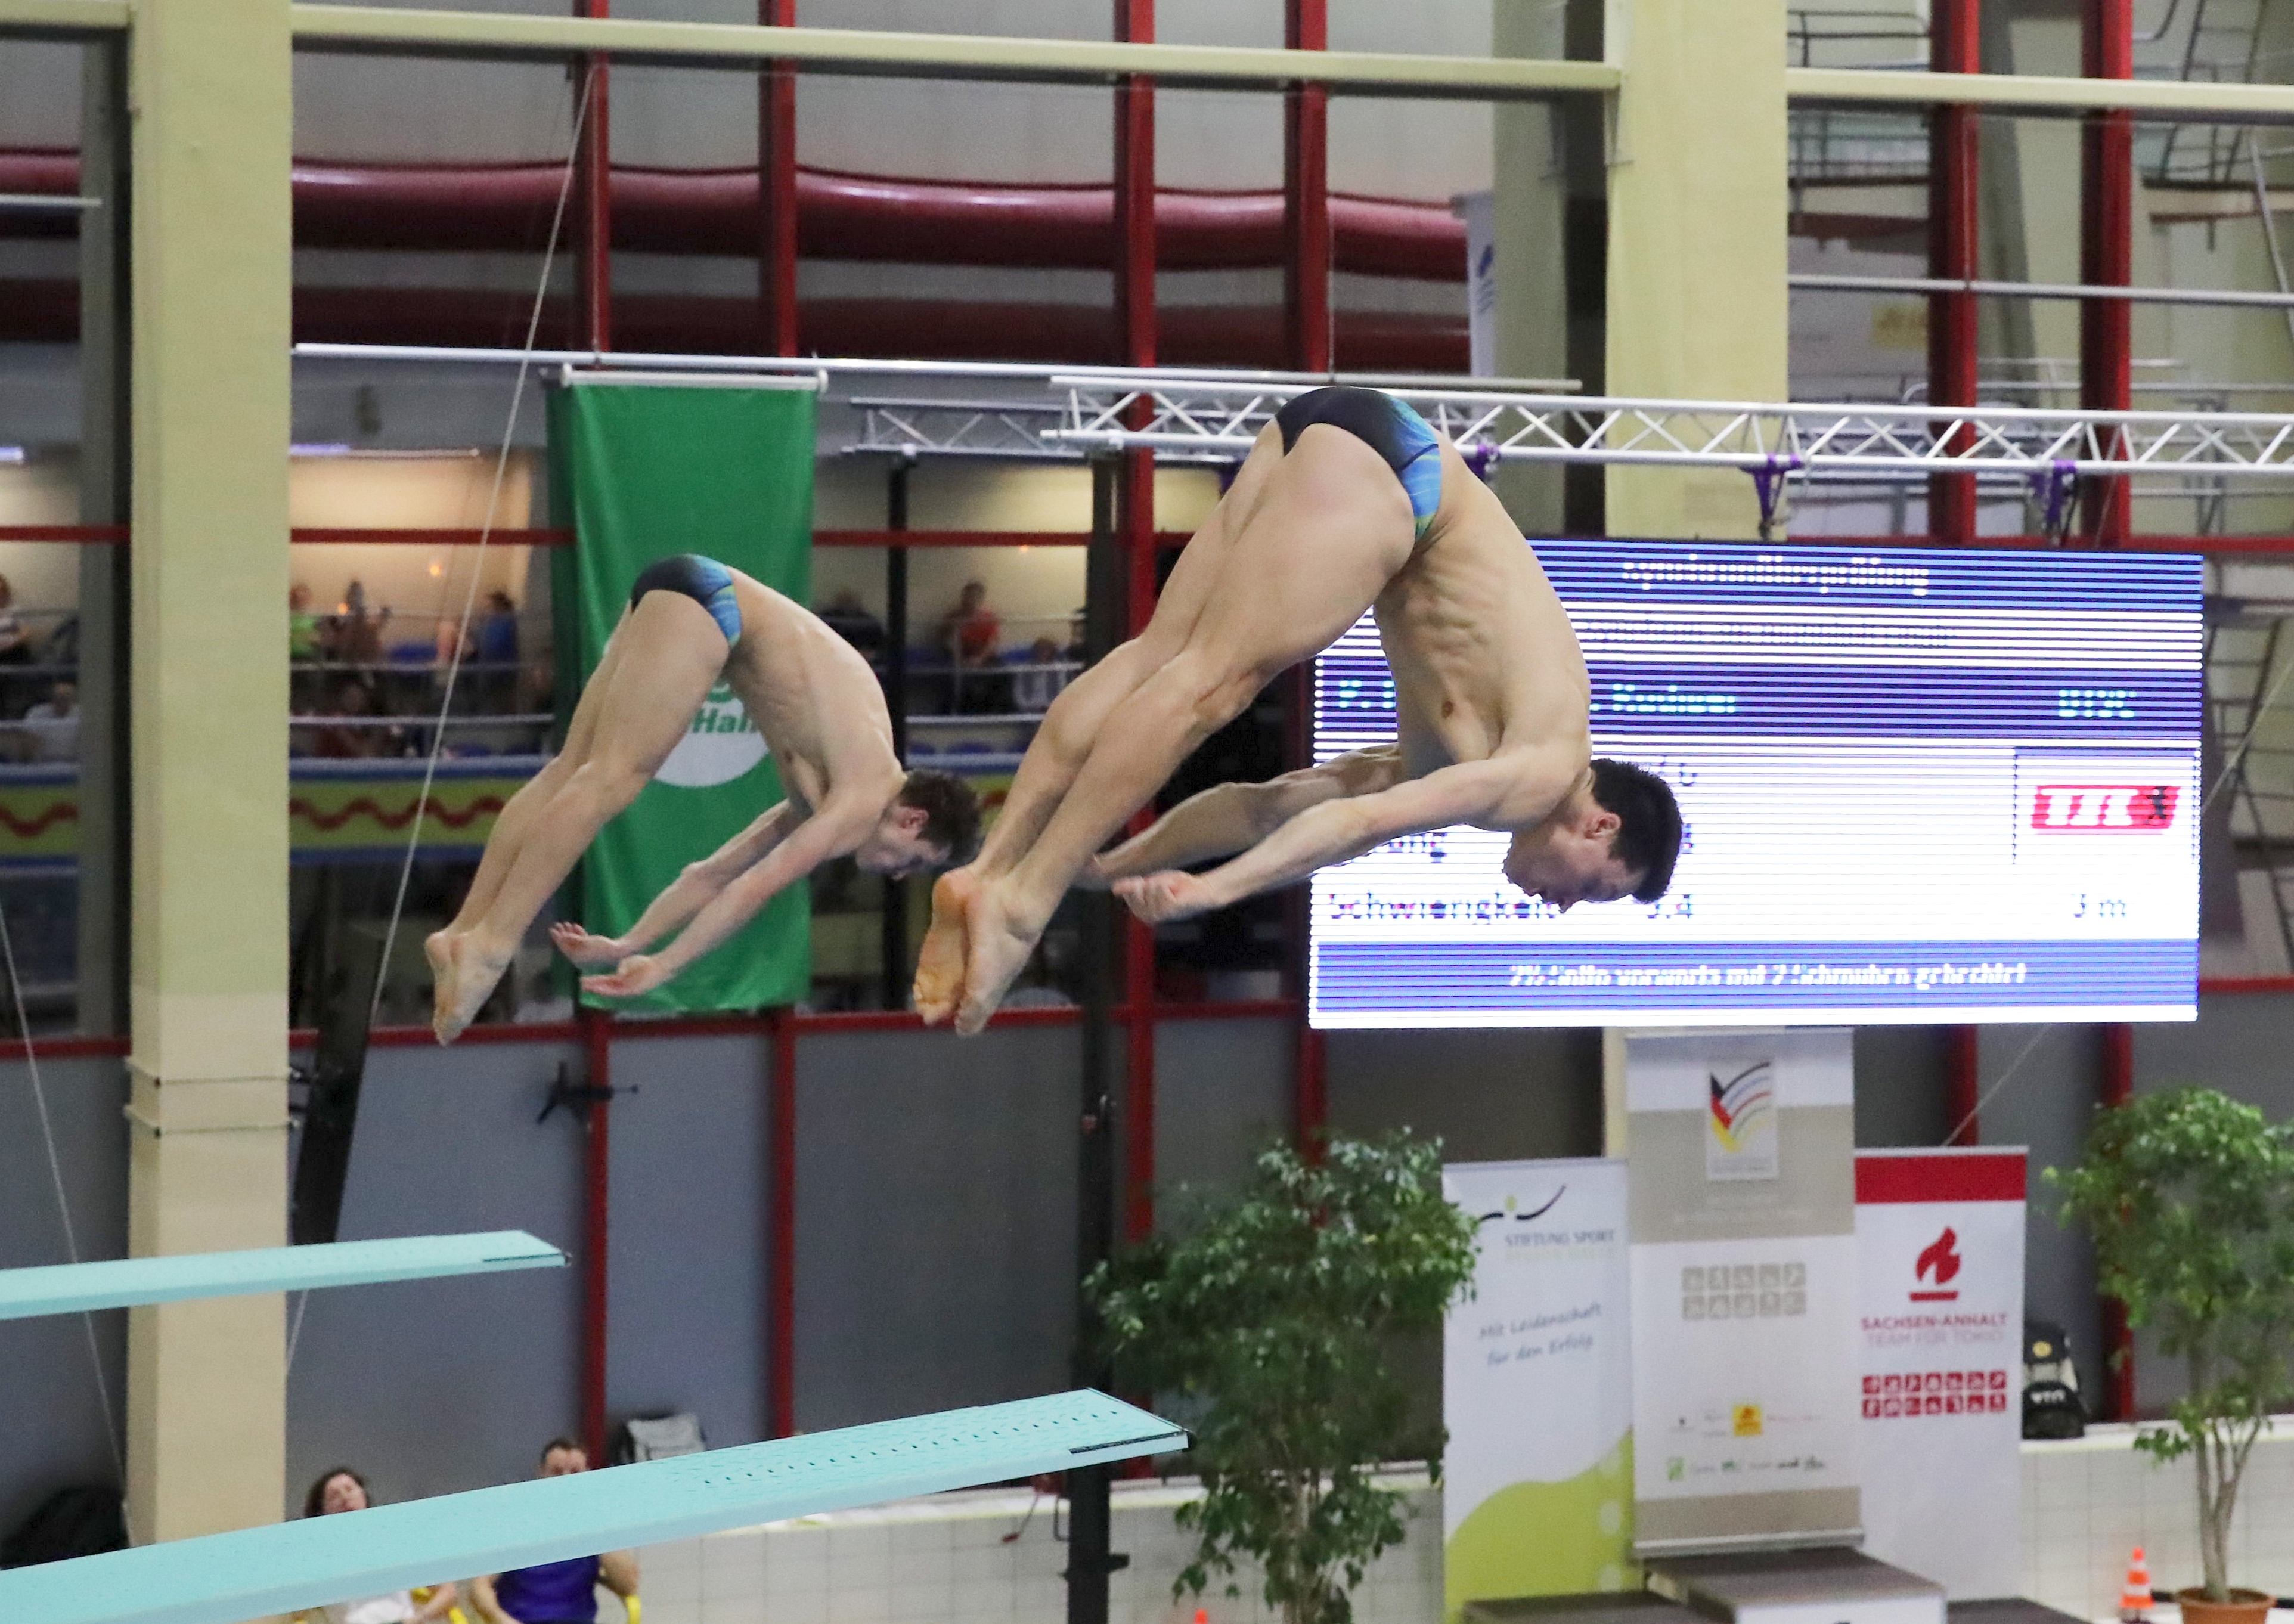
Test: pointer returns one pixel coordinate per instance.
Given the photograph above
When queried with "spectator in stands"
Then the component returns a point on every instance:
(557, 1592)
(306, 635)
(53, 724)
(494, 647)
(355, 699)
(357, 638)
(849, 618)
(343, 1490)
(302, 624)
(15, 642)
(498, 629)
(1037, 684)
(15, 647)
(969, 631)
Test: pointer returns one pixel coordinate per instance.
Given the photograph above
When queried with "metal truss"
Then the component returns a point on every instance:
(919, 427)
(1902, 442)
(1007, 430)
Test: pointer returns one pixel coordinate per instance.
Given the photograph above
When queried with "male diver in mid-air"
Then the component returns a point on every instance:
(692, 622)
(1348, 501)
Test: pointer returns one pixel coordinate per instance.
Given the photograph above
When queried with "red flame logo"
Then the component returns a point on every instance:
(1939, 1261)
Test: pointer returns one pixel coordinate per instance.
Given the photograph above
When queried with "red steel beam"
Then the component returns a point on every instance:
(1962, 1087)
(593, 198)
(1164, 539)
(1307, 325)
(1134, 194)
(2116, 1086)
(1136, 327)
(2106, 254)
(780, 1230)
(77, 535)
(1953, 169)
(597, 1190)
(333, 536)
(1306, 196)
(777, 243)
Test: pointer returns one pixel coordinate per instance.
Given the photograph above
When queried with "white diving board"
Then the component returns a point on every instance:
(221, 1578)
(130, 1282)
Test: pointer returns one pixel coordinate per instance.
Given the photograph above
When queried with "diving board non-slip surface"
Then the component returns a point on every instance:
(221, 1578)
(130, 1282)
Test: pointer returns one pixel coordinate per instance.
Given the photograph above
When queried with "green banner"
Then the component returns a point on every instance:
(640, 472)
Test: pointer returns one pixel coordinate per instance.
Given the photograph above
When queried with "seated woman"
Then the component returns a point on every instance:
(692, 623)
(340, 1489)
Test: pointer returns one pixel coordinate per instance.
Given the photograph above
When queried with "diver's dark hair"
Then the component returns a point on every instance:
(314, 1504)
(1648, 823)
(951, 810)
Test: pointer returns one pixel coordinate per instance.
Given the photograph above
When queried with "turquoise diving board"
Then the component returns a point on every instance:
(129, 1282)
(221, 1578)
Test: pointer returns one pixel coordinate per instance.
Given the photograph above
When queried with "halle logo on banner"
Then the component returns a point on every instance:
(721, 744)
(1740, 1140)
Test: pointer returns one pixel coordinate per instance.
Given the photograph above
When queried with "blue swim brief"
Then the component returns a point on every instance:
(1388, 426)
(704, 580)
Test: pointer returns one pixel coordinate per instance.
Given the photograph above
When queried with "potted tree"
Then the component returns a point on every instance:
(1267, 1323)
(2190, 1197)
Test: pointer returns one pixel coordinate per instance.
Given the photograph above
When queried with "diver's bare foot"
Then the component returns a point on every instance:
(940, 966)
(1170, 894)
(475, 970)
(585, 949)
(999, 941)
(438, 948)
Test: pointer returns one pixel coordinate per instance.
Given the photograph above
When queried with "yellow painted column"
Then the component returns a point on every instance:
(212, 124)
(1697, 306)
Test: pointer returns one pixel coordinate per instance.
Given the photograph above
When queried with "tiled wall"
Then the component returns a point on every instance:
(955, 1559)
(2088, 1501)
(982, 1559)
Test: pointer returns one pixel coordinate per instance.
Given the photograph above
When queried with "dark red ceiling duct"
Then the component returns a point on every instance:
(410, 207)
(922, 330)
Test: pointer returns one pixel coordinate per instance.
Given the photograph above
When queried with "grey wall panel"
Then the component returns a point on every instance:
(429, 1386)
(1222, 1093)
(935, 1202)
(50, 1414)
(1491, 1096)
(2238, 1044)
(2045, 1104)
(1901, 1086)
(687, 1296)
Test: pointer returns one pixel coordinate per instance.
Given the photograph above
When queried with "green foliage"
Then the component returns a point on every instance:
(2190, 1197)
(1269, 1318)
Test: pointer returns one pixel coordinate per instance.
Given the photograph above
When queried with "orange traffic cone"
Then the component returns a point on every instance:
(2134, 1596)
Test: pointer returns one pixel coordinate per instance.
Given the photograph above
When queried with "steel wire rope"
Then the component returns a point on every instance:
(470, 593)
(63, 1201)
(2006, 1077)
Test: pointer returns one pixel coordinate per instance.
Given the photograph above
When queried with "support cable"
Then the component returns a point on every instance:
(63, 1201)
(470, 594)
(2006, 1077)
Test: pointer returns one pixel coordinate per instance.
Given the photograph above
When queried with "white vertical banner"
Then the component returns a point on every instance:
(1939, 1244)
(1478, 210)
(1537, 1386)
(1742, 1150)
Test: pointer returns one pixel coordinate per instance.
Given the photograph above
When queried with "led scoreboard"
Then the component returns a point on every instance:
(1919, 785)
